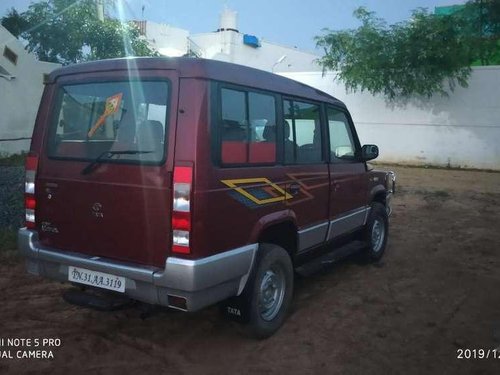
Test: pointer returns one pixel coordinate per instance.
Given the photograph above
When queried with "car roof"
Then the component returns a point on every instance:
(189, 67)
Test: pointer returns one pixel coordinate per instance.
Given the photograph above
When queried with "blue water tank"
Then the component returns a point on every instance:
(251, 40)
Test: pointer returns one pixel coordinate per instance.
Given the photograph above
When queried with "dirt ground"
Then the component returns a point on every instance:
(436, 291)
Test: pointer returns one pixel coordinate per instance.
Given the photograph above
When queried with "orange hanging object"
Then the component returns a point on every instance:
(112, 105)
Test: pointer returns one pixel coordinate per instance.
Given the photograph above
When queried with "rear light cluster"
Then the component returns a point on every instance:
(181, 209)
(29, 189)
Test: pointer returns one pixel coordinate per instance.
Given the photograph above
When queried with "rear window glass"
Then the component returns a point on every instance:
(95, 118)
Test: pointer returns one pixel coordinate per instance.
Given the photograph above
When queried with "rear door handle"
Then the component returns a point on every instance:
(294, 189)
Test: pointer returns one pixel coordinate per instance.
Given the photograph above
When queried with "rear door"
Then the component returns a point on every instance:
(306, 170)
(103, 184)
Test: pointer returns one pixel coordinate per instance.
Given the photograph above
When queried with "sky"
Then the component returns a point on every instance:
(293, 23)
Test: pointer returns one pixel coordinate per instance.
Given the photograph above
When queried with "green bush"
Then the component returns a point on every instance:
(12, 160)
(8, 240)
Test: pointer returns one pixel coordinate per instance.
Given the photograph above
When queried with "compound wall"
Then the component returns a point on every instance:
(462, 130)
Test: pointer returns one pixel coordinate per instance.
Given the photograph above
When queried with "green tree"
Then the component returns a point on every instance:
(415, 57)
(14, 22)
(481, 21)
(68, 31)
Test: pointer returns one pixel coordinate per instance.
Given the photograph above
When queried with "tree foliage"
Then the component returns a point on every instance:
(481, 23)
(68, 31)
(409, 58)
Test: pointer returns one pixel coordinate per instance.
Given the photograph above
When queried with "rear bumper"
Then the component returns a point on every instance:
(201, 282)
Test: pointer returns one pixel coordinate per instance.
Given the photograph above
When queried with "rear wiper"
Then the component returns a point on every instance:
(108, 155)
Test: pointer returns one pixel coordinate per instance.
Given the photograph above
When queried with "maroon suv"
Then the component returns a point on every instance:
(187, 182)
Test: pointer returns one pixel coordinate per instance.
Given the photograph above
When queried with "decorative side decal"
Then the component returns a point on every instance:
(307, 182)
(259, 191)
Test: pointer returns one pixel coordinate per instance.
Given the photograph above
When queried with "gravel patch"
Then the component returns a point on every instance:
(11, 197)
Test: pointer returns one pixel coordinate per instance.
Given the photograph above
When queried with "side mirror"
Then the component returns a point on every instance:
(369, 152)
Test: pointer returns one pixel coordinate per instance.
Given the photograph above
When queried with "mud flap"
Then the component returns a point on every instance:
(235, 309)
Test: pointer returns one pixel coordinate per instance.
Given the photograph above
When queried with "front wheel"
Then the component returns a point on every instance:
(376, 232)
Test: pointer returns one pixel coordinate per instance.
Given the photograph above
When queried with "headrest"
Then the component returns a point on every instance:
(269, 133)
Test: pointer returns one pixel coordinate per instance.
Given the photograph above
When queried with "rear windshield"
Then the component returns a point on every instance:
(93, 118)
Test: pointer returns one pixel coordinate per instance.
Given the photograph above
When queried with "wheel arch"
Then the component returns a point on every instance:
(280, 229)
(378, 194)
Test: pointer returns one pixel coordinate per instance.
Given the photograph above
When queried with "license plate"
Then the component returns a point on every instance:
(97, 279)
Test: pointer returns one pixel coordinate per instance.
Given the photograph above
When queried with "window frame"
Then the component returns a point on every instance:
(354, 134)
(216, 120)
(322, 122)
(57, 101)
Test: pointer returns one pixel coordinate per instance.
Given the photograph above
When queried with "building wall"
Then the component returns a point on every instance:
(20, 96)
(462, 130)
(228, 46)
(167, 40)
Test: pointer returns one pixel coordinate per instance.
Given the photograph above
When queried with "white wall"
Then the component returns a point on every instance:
(166, 39)
(229, 46)
(462, 130)
(20, 96)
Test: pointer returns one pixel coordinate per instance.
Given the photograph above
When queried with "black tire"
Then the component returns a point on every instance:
(271, 259)
(376, 232)
(273, 267)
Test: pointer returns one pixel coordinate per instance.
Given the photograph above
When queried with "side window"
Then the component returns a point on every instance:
(302, 132)
(262, 113)
(247, 127)
(342, 145)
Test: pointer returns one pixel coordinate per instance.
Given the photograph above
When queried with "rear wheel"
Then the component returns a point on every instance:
(270, 291)
(264, 304)
(376, 232)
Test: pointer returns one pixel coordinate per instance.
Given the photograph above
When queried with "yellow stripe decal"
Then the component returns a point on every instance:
(233, 184)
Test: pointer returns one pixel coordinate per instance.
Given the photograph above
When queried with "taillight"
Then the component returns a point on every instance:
(181, 209)
(29, 189)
